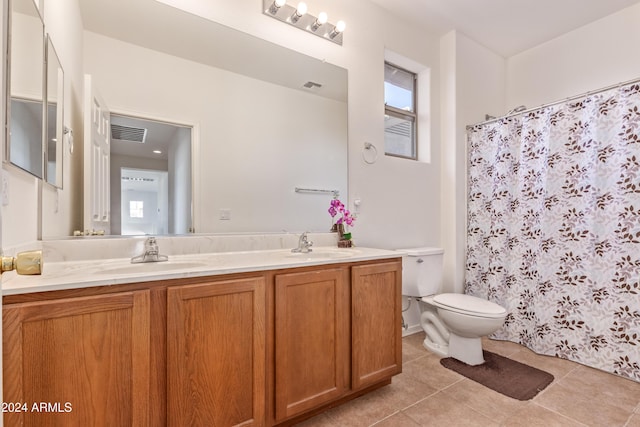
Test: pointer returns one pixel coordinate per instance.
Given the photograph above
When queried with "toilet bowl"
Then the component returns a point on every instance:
(454, 324)
(467, 319)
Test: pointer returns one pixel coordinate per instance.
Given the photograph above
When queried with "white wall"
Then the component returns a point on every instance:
(602, 53)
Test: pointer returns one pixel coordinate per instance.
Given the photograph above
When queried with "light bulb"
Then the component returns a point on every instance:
(320, 20)
(276, 5)
(299, 12)
(338, 29)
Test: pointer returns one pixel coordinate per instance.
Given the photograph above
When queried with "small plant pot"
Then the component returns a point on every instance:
(345, 243)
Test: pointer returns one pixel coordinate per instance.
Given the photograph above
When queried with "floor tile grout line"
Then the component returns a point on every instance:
(560, 414)
(385, 418)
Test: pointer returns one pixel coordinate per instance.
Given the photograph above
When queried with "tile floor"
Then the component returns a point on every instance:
(427, 394)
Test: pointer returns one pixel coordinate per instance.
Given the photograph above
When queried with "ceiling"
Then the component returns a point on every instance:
(505, 26)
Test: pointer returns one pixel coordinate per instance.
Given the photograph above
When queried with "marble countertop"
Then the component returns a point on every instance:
(82, 274)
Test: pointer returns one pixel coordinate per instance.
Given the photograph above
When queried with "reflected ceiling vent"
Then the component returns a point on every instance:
(312, 85)
(127, 133)
(137, 179)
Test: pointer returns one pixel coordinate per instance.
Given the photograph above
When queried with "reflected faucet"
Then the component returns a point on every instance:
(304, 244)
(151, 253)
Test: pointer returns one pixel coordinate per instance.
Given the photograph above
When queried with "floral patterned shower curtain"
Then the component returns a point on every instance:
(554, 227)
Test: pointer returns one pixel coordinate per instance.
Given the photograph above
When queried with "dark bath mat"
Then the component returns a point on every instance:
(506, 376)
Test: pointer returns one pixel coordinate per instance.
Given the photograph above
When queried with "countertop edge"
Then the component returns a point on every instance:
(90, 276)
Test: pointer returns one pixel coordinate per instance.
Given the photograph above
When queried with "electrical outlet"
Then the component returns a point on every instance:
(224, 214)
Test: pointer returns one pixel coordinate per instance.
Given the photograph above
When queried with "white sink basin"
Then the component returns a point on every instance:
(152, 267)
(323, 254)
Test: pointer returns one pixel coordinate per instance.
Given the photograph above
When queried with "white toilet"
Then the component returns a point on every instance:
(454, 323)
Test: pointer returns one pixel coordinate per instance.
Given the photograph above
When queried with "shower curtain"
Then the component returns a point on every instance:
(554, 227)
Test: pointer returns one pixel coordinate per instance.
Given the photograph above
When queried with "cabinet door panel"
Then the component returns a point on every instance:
(216, 353)
(376, 323)
(86, 359)
(310, 340)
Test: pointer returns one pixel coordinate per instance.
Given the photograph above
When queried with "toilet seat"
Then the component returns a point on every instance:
(467, 304)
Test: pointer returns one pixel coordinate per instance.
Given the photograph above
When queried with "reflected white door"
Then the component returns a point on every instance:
(96, 160)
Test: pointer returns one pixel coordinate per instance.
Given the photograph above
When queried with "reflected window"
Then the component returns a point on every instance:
(400, 112)
(136, 209)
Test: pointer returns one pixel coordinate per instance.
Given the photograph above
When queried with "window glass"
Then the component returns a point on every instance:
(399, 135)
(400, 112)
(136, 209)
(398, 88)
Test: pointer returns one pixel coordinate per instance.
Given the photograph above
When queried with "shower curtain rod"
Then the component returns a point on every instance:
(571, 98)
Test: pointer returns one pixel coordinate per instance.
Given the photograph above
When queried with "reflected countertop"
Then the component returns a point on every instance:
(82, 274)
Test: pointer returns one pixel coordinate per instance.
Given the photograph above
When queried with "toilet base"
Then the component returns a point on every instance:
(439, 349)
(467, 350)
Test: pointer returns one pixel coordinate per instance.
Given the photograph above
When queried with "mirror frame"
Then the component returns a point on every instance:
(57, 80)
(7, 118)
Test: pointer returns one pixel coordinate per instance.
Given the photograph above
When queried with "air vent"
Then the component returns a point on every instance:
(312, 85)
(126, 133)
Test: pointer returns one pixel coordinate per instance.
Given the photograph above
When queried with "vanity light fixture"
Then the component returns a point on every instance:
(157, 152)
(299, 18)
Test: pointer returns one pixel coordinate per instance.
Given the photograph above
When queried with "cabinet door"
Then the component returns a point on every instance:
(78, 361)
(216, 353)
(311, 341)
(376, 323)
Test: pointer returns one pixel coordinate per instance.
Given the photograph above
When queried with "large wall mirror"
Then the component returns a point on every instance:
(264, 120)
(26, 88)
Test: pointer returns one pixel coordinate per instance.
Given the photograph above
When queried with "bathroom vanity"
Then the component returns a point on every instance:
(249, 338)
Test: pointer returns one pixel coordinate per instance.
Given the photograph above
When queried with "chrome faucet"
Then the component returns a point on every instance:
(304, 244)
(151, 253)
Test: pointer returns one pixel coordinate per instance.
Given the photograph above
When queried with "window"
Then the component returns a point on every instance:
(136, 209)
(400, 112)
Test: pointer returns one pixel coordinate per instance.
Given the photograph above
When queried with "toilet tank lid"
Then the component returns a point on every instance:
(422, 251)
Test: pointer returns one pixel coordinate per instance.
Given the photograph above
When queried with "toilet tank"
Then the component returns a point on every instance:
(422, 271)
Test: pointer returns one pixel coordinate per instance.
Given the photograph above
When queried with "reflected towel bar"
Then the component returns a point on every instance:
(335, 193)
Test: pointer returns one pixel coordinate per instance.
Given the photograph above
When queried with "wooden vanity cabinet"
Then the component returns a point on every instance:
(216, 353)
(376, 319)
(311, 339)
(77, 361)
(250, 349)
(337, 333)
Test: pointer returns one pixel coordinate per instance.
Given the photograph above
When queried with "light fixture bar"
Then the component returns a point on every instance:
(296, 16)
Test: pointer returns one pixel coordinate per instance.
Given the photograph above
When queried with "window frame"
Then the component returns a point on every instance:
(404, 114)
